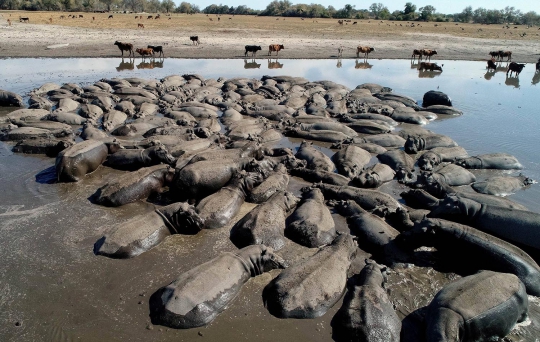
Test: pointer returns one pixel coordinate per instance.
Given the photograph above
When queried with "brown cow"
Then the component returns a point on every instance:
(150, 17)
(125, 47)
(430, 66)
(140, 25)
(417, 53)
(365, 50)
(157, 17)
(276, 48)
(137, 17)
(503, 54)
(145, 52)
(110, 17)
(9, 22)
(428, 53)
(81, 16)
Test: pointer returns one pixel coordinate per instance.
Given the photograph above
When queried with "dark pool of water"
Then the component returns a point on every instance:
(57, 290)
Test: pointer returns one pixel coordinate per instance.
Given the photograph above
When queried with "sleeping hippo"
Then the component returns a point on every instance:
(134, 159)
(350, 160)
(318, 135)
(316, 176)
(427, 142)
(400, 162)
(469, 309)
(196, 297)
(428, 160)
(450, 174)
(502, 186)
(80, 159)
(48, 146)
(316, 160)
(8, 98)
(277, 180)
(366, 198)
(374, 176)
(501, 161)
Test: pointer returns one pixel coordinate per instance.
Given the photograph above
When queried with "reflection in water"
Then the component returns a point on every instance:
(126, 65)
(251, 65)
(338, 63)
(274, 65)
(151, 65)
(491, 72)
(536, 77)
(428, 73)
(414, 65)
(512, 81)
(363, 65)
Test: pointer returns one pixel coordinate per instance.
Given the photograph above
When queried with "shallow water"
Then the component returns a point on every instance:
(53, 285)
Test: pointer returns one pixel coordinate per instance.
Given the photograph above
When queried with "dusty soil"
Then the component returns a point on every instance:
(93, 36)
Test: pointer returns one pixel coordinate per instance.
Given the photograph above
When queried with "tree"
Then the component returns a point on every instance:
(379, 11)
(467, 14)
(427, 12)
(168, 5)
(409, 8)
(108, 3)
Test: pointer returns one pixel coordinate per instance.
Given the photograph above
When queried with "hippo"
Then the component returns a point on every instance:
(91, 132)
(196, 297)
(367, 313)
(8, 98)
(69, 118)
(366, 198)
(516, 226)
(369, 116)
(316, 160)
(52, 126)
(103, 102)
(198, 112)
(370, 127)
(22, 133)
(429, 159)
(311, 287)
(113, 119)
(134, 129)
(450, 174)
(66, 105)
(38, 102)
(146, 109)
(311, 224)
(80, 159)
(468, 309)
(415, 144)
(477, 250)
(134, 159)
(135, 91)
(134, 186)
(442, 109)
(350, 160)
(126, 107)
(371, 148)
(502, 186)
(327, 126)
(501, 161)
(48, 146)
(400, 162)
(91, 112)
(434, 97)
(374, 176)
(318, 135)
(385, 140)
(265, 224)
(277, 180)
(407, 101)
(408, 115)
(316, 176)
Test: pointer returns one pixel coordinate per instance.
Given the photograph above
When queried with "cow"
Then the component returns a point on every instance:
(194, 40)
(110, 17)
(276, 48)
(24, 19)
(158, 48)
(538, 65)
(150, 17)
(62, 17)
(430, 66)
(491, 64)
(340, 22)
(494, 54)
(417, 53)
(50, 20)
(144, 52)
(253, 49)
(503, 54)
(340, 51)
(428, 53)
(9, 22)
(125, 47)
(515, 68)
(140, 25)
(81, 16)
(157, 17)
(137, 17)
(365, 50)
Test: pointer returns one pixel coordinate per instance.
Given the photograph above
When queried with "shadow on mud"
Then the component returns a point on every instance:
(47, 176)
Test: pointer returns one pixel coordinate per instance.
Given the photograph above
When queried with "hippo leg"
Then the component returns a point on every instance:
(444, 325)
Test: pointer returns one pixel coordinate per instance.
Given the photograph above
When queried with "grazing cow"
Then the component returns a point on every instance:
(81, 16)
(150, 17)
(515, 67)
(137, 17)
(494, 54)
(340, 51)
(210, 19)
(355, 23)
(340, 22)
(194, 40)
(276, 48)
(253, 49)
(218, 19)
(140, 25)
(365, 50)
(62, 17)
(93, 18)
(24, 19)
(125, 47)
(157, 17)
(430, 66)
(428, 53)
(158, 48)
(491, 64)
(507, 54)
(9, 22)
(110, 16)
(417, 53)
(144, 52)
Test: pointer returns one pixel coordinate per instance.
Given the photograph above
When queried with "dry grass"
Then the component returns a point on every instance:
(294, 27)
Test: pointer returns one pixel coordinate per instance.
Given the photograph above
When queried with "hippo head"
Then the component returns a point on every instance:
(350, 171)
(422, 234)
(368, 180)
(261, 259)
(246, 181)
(428, 160)
(404, 176)
(372, 274)
(161, 154)
(347, 208)
(434, 186)
(290, 201)
(413, 144)
(291, 162)
(347, 242)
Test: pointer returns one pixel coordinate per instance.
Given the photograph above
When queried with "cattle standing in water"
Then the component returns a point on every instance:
(417, 53)
(194, 40)
(276, 48)
(428, 53)
(125, 47)
(430, 66)
(365, 50)
(253, 49)
(503, 54)
(515, 67)
(491, 64)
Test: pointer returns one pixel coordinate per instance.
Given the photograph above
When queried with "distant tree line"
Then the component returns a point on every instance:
(285, 8)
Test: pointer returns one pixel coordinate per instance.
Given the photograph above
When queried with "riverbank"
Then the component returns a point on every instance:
(93, 35)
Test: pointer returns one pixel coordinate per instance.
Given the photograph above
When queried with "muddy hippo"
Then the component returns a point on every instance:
(477, 250)
(367, 313)
(516, 226)
(366, 198)
(134, 159)
(469, 309)
(76, 161)
(442, 109)
(265, 224)
(311, 287)
(316, 160)
(427, 142)
(502, 186)
(38, 102)
(8, 98)
(277, 180)
(450, 174)
(434, 97)
(374, 176)
(316, 176)
(318, 135)
(501, 161)
(200, 294)
(48, 146)
(400, 162)
(134, 186)
(311, 224)
(428, 160)
(327, 126)
(113, 119)
(350, 160)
